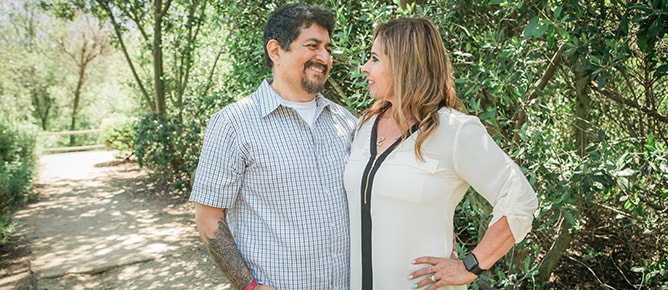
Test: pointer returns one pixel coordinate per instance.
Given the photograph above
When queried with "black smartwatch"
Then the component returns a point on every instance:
(471, 264)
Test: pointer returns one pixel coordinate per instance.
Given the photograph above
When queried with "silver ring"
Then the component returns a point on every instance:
(433, 278)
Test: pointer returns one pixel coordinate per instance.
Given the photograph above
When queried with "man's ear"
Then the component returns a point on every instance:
(274, 51)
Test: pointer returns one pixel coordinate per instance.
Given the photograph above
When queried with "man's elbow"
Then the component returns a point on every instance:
(208, 219)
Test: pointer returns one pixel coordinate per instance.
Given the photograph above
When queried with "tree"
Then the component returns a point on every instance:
(534, 73)
(180, 22)
(83, 46)
(30, 79)
(575, 92)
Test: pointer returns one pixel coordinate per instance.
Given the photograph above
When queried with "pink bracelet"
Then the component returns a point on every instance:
(251, 286)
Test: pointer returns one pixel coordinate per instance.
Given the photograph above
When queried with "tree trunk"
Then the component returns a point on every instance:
(158, 73)
(582, 103)
(77, 98)
(581, 129)
(561, 244)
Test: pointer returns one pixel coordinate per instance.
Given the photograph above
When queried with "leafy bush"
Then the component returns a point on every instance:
(7, 228)
(118, 133)
(168, 147)
(17, 170)
(514, 63)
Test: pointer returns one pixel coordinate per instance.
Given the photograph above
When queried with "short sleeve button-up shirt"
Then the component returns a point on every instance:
(282, 181)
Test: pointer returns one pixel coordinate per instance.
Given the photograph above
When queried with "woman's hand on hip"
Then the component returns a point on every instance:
(440, 272)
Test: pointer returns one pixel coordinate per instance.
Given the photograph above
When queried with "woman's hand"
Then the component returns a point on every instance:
(440, 272)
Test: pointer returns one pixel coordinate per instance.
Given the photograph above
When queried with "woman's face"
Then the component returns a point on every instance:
(379, 77)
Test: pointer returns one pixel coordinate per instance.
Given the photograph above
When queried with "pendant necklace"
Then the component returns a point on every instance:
(380, 139)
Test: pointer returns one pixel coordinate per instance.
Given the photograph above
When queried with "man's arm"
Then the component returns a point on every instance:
(219, 242)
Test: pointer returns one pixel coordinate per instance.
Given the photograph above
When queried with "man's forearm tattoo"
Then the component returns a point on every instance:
(225, 254)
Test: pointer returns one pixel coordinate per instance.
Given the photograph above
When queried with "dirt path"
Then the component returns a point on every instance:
(99, 224)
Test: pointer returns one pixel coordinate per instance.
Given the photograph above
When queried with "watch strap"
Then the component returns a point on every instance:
(471, 264)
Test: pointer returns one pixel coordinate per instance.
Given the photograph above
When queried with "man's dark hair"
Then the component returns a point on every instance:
(286, 23)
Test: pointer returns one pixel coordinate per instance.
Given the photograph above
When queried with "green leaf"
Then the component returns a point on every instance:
(541, 29)
(531, 27)
(661, 71)
(569, 217)
(659, 4)
(487, 115)
(624, 25)
(557, 12)
(602, 79)
(623, 183)
(642, 42)
(586, 66)
(641, 8)
(551, 37)
(655, 28)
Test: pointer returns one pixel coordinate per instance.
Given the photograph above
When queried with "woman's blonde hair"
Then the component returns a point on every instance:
(421, 72)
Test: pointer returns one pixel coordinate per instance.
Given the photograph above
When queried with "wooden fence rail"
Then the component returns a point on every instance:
(68, 132)
(71, 148)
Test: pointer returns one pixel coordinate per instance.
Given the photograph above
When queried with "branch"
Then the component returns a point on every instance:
(338, 90)
(186, 60)
(591, 271)
(521, 115)
(209, 81)
(135, 17)
(164, 11)
(61, 45)
(631, 103)
(117, 30)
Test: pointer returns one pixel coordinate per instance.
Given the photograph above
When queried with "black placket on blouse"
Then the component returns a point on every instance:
(372, 167)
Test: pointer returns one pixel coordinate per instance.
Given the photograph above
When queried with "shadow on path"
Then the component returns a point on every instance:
(99, 225)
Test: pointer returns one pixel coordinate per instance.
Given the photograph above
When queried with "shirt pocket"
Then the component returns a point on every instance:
(405, 177)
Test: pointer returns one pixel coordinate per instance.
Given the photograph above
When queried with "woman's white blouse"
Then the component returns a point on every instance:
(413, 202)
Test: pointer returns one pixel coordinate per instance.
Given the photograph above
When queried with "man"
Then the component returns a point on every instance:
(270, 203)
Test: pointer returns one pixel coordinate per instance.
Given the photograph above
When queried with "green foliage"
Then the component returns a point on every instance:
(244, 44)
(18, 165)
(118, 133)
(516, 64)
(168, 148)
(7, 228)
(353, 39)
(501, 52)
(654, 273)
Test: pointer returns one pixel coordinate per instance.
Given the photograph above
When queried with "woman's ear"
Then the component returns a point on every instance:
(274, 51)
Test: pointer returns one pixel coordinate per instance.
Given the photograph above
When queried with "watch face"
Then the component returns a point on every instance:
(471, 264)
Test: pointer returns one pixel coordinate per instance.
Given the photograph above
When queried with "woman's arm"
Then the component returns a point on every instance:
(496, 243)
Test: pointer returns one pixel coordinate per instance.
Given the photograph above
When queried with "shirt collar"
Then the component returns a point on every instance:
(269, 100)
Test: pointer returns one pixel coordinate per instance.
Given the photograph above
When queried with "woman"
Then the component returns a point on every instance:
(412, 160)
